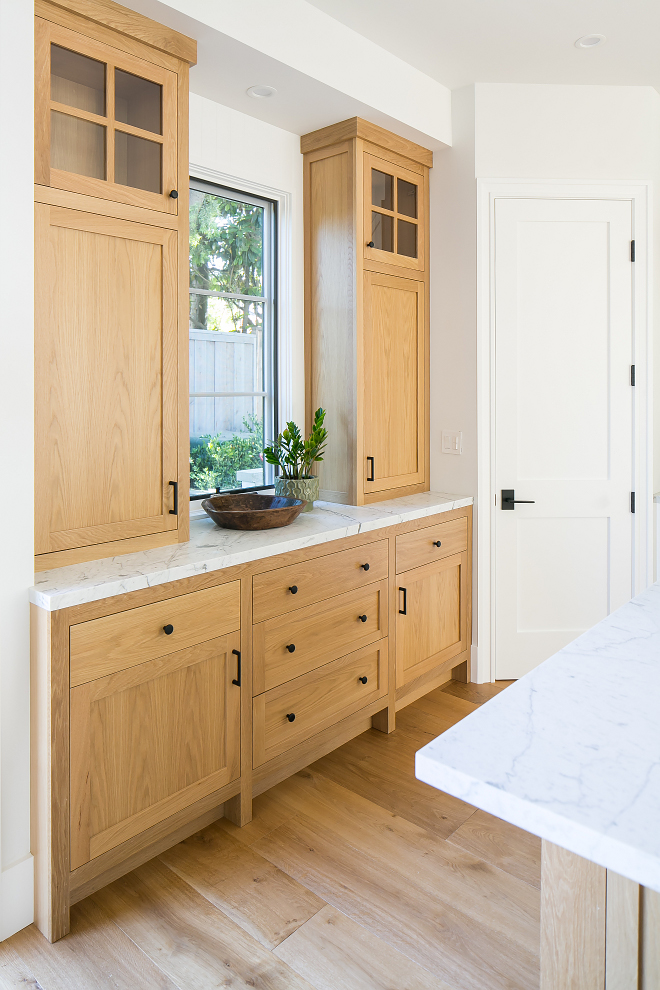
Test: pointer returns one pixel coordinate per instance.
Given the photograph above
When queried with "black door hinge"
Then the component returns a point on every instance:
(632, 250)
(632, 501)
(632, 374)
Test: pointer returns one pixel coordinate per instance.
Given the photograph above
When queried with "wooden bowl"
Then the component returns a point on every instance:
(252, 510)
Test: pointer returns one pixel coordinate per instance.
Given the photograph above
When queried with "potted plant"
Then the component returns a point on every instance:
(295, 457)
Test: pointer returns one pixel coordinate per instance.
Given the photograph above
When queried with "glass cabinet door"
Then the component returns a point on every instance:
(393, 214)
(112, 121)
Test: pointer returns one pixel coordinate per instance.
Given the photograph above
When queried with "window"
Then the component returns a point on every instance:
(232, 339)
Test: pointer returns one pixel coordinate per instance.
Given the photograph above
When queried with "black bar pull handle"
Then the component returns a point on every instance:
(404, 610)
(175, 510)
(371, 476)
(509, 500)
(237, 679)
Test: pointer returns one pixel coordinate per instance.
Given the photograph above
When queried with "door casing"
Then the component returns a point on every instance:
(488, 191)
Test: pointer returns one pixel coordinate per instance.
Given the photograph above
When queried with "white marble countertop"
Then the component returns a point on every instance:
(211, 548)
(571, 752)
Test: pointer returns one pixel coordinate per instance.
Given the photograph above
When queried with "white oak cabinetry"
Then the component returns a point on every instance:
(366, 308)
(158, 711)
(111, 208)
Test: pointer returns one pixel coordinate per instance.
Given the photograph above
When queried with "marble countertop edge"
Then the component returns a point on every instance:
(611, 853)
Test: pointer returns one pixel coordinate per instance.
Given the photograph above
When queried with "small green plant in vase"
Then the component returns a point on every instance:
(295, 458)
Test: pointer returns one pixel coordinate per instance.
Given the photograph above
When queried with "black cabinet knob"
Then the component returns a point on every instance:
(362, 618)
(168, 629)
(362, 680)
(370, 244)
(291, 717)
(294, 589)
(437, 543)
(365, 567)
(291, 647)
(174, 194)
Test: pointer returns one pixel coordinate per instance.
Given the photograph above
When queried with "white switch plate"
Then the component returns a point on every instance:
(452, 443)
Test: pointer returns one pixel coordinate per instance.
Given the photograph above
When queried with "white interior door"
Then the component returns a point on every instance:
(563, 422)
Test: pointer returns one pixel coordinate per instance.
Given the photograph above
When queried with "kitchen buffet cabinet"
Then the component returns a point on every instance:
(158, 711)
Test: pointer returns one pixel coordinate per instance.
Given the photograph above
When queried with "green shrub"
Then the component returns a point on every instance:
(214, 461)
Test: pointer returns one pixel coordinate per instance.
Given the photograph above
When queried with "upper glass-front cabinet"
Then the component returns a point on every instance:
(393, 215)
(108, 122)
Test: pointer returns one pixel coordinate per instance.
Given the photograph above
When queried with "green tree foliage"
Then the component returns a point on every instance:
(226, 247)
(214, 461)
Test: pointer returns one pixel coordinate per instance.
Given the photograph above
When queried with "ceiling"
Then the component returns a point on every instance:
(458, 42)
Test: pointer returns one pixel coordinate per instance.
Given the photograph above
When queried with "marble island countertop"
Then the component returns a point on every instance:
(571, 752)
(211, 548)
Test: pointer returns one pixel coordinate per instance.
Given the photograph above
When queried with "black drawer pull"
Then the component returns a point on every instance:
(175, 487)
(291, 647)
(371, 476)
(174, 194)
(404, 610)
(437, 543)
(291, 717)
(362, 618)
(362, 680)
(370, 244)
(168, 629)
(294, 589)
(237, 679)
(365, 567)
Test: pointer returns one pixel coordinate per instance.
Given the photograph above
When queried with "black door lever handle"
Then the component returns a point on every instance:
(509, 500)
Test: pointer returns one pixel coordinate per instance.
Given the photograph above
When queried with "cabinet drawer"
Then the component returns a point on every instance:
(317, 700)
(318, 633)
(420, 547)
(317, 579)
(125, 639)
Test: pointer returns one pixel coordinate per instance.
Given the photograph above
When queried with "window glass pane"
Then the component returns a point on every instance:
(382, 231)
(138, 162)
(77, 81)
(77, 145)
(406, 198)
(231, 343)
(226, 443)
(138, 102)
(406, 239)
(226, 244)
(382, 190)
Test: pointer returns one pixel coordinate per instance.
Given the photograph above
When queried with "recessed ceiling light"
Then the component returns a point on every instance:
(260, 92)
(590, 41)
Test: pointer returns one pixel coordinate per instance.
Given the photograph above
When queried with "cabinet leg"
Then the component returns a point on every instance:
(239, 809)
(384, 721)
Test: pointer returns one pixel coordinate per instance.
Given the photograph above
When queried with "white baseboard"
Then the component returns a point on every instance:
(16, 897)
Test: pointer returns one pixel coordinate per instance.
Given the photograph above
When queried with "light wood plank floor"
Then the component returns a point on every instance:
(352, 876)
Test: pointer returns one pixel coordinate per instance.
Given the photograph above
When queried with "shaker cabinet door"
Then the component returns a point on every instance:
(149, 741)
(432, 614)
(105, 379)
(394, 383)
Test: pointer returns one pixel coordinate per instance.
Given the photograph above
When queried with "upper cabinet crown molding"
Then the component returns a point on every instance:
(127, 22)
(356, 127)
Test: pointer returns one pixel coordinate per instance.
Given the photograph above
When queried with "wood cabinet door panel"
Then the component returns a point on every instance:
(431, 620)
(394, 402)
(65, 138)
(317, 700)
(105, 379)
(421, 547)
(401, 251)
(149, 741)
(320, 633)
(317, 579)
(115, 642)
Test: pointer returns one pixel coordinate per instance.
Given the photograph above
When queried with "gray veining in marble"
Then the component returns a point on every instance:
(211, 548)
(571, 752)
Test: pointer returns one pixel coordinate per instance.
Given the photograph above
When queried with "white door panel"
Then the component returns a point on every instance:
(563, 422)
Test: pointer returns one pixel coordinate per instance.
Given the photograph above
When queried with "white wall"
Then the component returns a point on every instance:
(247, 149)
(16, 453)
